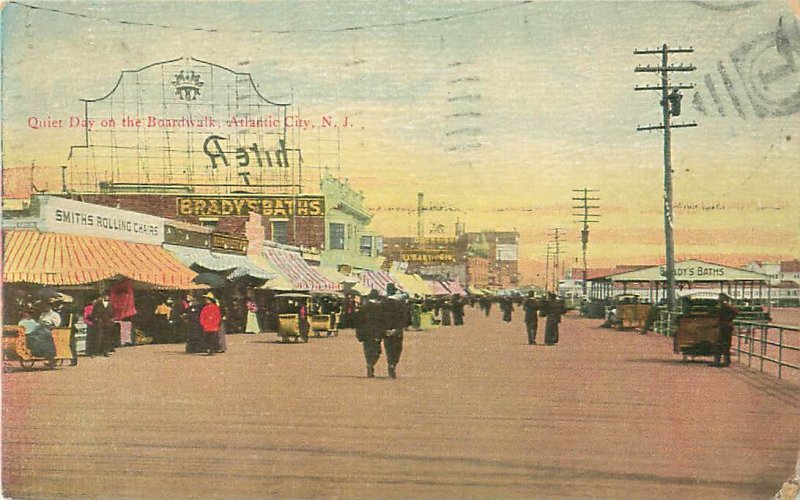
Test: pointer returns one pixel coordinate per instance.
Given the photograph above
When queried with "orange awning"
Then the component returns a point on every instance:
(64, 259)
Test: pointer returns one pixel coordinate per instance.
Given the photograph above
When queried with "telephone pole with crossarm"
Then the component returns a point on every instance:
(671, 106)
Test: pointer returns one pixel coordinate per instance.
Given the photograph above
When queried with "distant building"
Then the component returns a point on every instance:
(771, 269)
(485, 259)
(431, 257)
(784, 280)
(492, 258)
(347, 238)
(790, 270)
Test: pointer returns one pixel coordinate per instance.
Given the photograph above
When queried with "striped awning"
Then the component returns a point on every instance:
(238, 265)
(345, 281)
(378, 279)
(301, 275)
(66, 259)
(279, 282)
(437, 287)
(454, 287)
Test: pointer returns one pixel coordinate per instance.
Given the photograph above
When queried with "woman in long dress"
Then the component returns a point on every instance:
(251, 325)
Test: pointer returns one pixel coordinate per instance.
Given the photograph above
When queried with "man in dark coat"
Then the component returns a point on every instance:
(396, 316)
(726, 315)
(486, 304)
(444, 307)
(457, 304)
(552, 309)
(370, 330)
(507, 307)
(103, 323)
(531, 307)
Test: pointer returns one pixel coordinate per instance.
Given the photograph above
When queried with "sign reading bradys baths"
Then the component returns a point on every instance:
(691, 270)
(243, 206)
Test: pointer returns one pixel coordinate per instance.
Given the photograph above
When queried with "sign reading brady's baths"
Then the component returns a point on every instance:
(243, 206)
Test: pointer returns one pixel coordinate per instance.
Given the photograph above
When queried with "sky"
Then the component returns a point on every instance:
(495, 110)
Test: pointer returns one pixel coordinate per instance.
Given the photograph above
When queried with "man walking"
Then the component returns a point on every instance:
(396, 317)
(370, 330)
(531, 307)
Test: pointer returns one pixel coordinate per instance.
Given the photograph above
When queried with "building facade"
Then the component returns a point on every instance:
(348, 240)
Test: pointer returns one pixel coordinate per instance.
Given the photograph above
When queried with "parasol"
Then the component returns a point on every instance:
(211, 279)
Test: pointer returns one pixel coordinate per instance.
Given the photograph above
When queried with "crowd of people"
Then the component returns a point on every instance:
(200, 320)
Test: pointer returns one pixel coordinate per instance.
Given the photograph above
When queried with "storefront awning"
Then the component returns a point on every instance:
(437, 288)
(301, 275)
(377, 280)
(454, 287)
(413, 284)
(279, 282)
(67, 259)
(345, 281)
(238, 265)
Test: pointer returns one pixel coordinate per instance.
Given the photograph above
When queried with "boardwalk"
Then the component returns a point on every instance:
(475, 412)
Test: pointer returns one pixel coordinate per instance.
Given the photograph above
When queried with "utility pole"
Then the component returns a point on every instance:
(548, 253)
(670, 106)
(555, 251)
(586, 216)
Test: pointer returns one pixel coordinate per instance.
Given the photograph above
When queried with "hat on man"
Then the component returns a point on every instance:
(210, 295)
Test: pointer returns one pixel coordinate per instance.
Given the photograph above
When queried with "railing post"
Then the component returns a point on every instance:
(738, 344)
(763, 349)
(750, 348)
(780, 351)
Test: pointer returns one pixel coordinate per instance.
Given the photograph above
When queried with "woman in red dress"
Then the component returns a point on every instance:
(210, 320)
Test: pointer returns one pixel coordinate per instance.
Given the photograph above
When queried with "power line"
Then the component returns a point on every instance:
(398, 24)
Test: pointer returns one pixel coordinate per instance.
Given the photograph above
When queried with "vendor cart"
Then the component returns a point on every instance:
(697, 331)
(697, 335)
(632, 316)
(631, 313)
(291, 327)
(15, 347)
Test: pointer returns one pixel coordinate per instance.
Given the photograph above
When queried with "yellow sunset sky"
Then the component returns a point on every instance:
(496, 110)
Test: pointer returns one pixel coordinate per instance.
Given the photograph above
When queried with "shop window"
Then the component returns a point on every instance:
(365, 247)
(336, 235)
(212, 223)
(280, 231)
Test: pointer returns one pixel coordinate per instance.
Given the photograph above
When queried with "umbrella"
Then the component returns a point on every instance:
(211, 279)
(47, 293)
